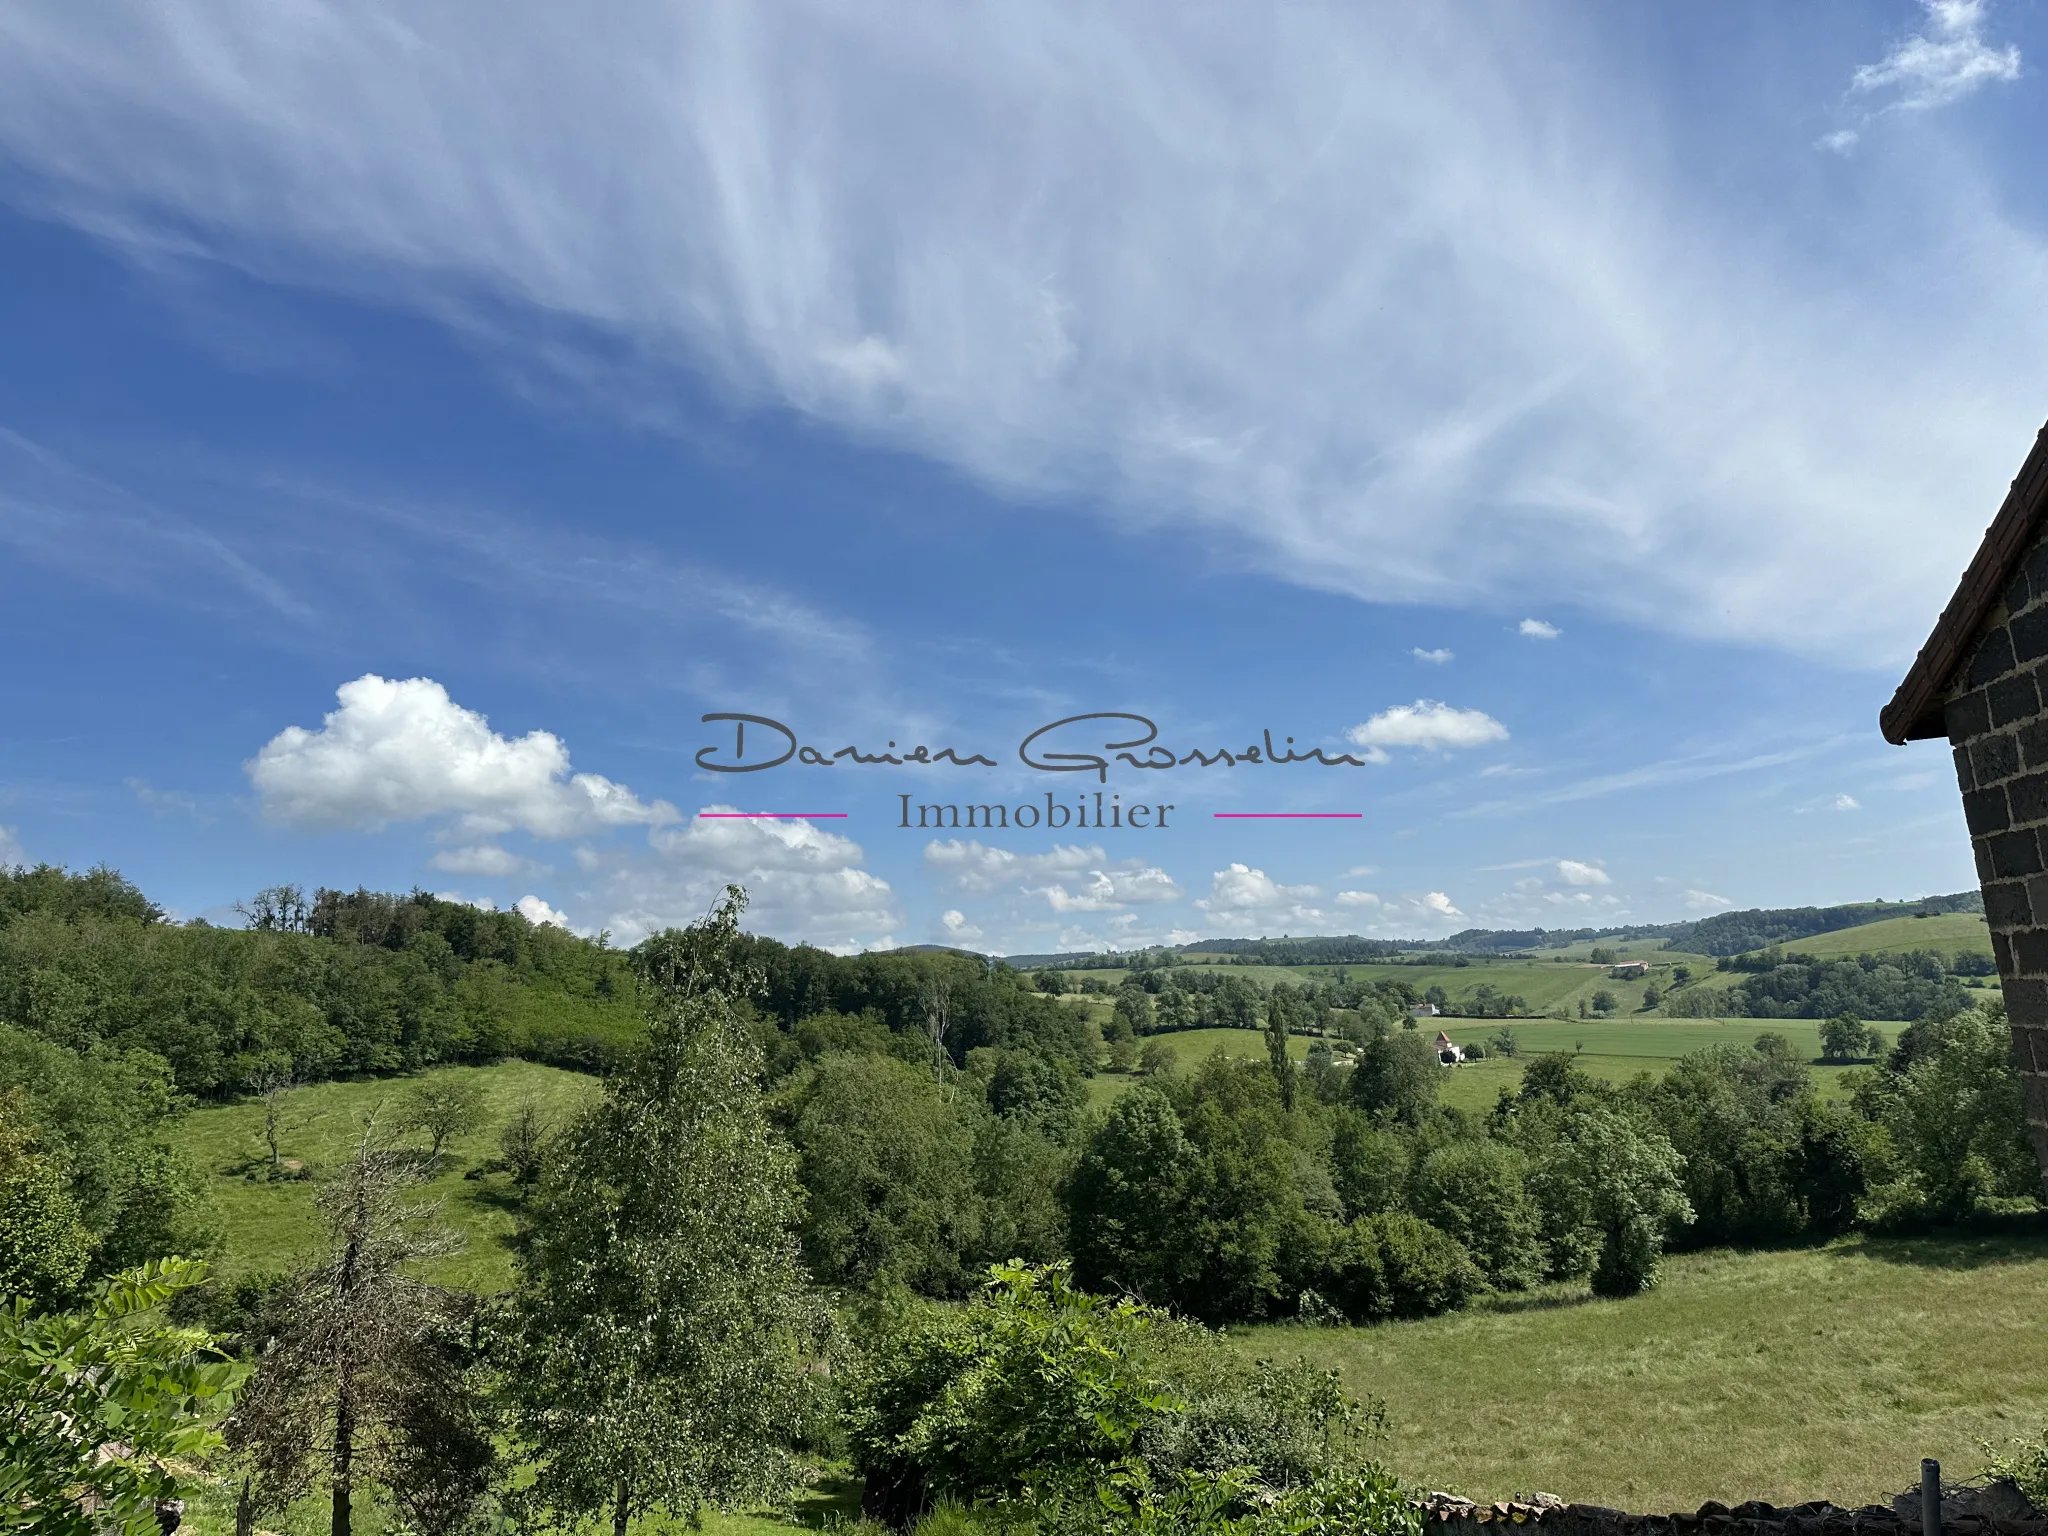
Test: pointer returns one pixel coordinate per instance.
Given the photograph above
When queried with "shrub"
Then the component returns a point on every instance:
(1397, 1265)
(1073, 1410)
(1033, 1379)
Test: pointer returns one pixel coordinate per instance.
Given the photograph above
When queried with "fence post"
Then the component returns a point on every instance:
(1930, 1497)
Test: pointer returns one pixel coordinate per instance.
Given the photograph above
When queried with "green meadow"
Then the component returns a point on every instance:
(1787, 1375)
(1615, 1049)
(271, 1223)
(1948, 933)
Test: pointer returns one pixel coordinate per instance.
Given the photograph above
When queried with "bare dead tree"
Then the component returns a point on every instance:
(357, 1355)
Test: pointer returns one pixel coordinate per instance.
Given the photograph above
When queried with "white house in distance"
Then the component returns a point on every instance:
(1423, 1011)
(1630, 970)
(1447, 1053)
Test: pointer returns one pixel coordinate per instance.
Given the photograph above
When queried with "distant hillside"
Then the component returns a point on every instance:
(1725, 933)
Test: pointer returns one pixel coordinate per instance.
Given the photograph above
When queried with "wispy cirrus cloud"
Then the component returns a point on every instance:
(929, 228)
(1948, 61)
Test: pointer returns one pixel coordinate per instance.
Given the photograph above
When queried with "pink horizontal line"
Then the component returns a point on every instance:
(1278, 815)
(768, 815)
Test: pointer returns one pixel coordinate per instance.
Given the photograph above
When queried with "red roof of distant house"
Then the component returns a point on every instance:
(1915, 712)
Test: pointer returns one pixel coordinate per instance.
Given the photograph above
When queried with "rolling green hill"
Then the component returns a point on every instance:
(1950, 933)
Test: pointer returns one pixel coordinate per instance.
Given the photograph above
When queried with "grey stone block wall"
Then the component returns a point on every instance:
(1997, 718)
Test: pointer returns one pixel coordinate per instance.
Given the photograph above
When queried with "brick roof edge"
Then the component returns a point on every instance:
(1915, 712)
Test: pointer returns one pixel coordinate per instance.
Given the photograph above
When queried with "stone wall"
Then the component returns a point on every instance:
(1997, 718)
(1997, 1510)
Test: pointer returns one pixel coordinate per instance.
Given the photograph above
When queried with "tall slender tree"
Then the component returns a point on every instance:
(1276, 1048)
(663, 1324)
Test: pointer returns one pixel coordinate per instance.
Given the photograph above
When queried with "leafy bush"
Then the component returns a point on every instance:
(77, 1383)
(1065, 1408)
(1398, 1265)
(1232, 1503)
(1032, 1380)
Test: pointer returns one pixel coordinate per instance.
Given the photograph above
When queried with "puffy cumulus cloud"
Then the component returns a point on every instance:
(1705, 901)
(10, 849)
(1241, 896)
(941, 235)
(1435, 658)
(1357, 899)
(482, 859)
(1575, 872)
(404, 751)
(1440, 904)
(1847, 803)
(1536, 629)
(537, 912)
(958, 929)
(1427, 725)
(804, 884)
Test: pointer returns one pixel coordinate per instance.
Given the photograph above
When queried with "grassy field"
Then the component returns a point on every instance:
(1615, 1049)
(1790, 1375)
(1948, 933)
(268, 1224)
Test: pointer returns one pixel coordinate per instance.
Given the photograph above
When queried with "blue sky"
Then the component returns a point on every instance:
(408, 430)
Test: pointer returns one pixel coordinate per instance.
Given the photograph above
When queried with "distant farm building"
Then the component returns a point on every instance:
(1423, 1011)
(1447, 1053)
(1631, 970)
(1981, 680)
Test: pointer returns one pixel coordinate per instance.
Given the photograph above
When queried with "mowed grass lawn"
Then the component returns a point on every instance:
(272, 1224)
(1823, 1372)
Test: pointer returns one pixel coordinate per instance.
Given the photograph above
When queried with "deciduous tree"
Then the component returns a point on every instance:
(663, 1322)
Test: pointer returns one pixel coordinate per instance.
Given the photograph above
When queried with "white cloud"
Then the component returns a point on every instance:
(930, 228)
(537, 912)
(977, 869)
(1847, 803)
(1439, 903)
(804, 884)
(404, 751)
(1428, 725)
(10, 849)
(1705, 901)
(1536, 629)
(1941, 65)
(958, 929)
(1112, 890)
(1572, 872)
(1241, 897)
(1435, 658)
(1357, 899)
(482, 859)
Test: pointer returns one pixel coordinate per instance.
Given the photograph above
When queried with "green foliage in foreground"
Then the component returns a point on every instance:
(1057, 1411)
(97, 1401)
